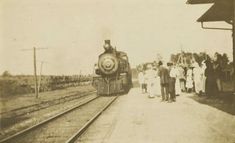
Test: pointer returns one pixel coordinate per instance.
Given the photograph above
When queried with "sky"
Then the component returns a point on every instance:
(73, 31)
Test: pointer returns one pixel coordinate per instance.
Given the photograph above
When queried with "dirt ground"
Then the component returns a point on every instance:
(223, 101)
(19, 101)
(135, 118)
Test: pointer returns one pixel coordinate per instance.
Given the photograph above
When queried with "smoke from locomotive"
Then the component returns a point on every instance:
(113, 72)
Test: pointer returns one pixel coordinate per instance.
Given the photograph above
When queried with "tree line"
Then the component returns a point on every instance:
(23, 84)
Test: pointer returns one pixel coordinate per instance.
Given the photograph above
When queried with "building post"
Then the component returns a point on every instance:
(35, 72)
(233, 35)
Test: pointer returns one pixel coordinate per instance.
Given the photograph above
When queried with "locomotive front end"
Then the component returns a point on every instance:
(108, 64)
(113, 74)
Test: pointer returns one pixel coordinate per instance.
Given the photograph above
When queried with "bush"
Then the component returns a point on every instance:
(22, 84)
(12, 87)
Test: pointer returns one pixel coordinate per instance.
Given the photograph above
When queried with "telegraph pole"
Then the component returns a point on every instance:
(35, 72)
(35, 68)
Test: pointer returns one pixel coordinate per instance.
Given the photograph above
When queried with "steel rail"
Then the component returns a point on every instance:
(47, 103)
(25, 131)
(74, 137)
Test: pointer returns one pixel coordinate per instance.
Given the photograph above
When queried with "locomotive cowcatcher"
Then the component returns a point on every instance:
(113, 72)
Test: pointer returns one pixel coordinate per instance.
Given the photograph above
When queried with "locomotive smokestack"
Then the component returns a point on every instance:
(107, 42)
(107, 46)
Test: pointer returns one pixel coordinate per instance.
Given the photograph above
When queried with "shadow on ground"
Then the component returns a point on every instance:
(224, 102)
(9, 121)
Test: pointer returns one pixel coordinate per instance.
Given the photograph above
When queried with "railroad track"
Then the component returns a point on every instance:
(35, 107)
(11, 117)
(13, 125)
(66, 126)
(74, 137)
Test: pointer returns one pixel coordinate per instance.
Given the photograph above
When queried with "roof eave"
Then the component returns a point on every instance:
(200, 1)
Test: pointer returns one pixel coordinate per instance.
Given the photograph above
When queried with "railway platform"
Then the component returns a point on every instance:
(135, 118)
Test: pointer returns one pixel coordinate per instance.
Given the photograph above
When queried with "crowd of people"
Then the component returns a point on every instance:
(160, 81)
(169, 80)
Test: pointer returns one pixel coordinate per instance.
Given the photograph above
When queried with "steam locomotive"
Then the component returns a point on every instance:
(112, 73)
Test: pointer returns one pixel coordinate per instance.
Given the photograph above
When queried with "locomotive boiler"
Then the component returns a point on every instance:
(113, 72)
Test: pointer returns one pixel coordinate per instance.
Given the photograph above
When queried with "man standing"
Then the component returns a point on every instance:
(172, 81)
(211, 87)
(218, 71)
(163, 73)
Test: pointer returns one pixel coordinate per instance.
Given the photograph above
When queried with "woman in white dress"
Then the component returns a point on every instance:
(141, 80)
(198, 78)
(203, 76)
(182, 78)
(150, 77)
(189, 80)
(177, 82)
(157, 85)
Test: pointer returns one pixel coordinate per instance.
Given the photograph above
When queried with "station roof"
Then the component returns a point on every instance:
(200, 1)
(220, 11)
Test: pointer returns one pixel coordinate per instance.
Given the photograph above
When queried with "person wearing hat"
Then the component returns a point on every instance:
(211, 87)
(163, 73)
(172, 81)
(218, 71)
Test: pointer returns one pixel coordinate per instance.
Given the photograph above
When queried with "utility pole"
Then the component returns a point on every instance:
(35, 68)
(35, 72)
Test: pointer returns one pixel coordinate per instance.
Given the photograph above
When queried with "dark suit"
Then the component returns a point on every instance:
(164, 81)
